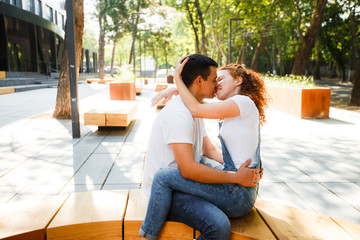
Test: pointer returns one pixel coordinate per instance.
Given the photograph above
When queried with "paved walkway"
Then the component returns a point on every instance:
(310, 164)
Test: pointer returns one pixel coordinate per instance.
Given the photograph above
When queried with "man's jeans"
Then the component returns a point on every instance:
(234, 200)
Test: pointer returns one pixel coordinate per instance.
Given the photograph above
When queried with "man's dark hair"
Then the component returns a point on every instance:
(197, 65)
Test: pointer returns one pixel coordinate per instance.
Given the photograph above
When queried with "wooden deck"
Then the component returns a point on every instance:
(118, 214)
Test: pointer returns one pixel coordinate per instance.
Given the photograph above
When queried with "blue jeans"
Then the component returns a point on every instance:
(233, 199)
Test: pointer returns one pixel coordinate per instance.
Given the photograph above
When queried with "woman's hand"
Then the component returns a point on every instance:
(180, 66)
(166, 94)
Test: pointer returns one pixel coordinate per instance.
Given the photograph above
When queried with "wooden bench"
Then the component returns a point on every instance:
(118, 214)
(6, 90)
(111, 113)
(161, 86)
(98, 80)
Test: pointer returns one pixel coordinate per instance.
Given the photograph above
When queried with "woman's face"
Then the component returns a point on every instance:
(227, 85)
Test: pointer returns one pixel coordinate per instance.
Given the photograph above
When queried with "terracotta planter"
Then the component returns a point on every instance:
(301, 102)
(122, 91)
(170, 79)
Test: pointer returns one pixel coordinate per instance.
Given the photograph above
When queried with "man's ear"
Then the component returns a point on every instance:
(198, 79)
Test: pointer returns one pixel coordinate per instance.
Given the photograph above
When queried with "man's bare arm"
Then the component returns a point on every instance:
(184, 155)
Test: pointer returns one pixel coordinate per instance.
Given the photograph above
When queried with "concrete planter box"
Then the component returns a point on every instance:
(122, 91)
(301, 102)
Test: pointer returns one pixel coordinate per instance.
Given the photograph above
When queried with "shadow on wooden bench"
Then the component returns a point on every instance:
(118, 214)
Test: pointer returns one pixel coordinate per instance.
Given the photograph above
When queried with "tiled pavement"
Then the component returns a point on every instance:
(311, 164)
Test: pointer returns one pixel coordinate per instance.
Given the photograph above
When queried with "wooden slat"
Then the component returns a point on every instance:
(90, 215)
(7, 90)
(94, 117)
(121, 113)
(352, 229)
(98, 80)
(28, 219)
(111, 113)
(135, 214)
(250, 226)
(292, 223)
(161, 86)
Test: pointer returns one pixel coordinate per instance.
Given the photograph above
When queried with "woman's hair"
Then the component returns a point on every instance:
(252, 86)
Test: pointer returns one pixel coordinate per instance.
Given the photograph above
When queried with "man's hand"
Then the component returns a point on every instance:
(248, 177)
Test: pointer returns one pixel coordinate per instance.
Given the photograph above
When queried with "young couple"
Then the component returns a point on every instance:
(179, 186)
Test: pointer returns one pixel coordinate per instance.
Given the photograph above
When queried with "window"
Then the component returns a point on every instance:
(38, 9)
(17, 3)
(29, 5)
(49, 13)
(62, 21)
(56, 17)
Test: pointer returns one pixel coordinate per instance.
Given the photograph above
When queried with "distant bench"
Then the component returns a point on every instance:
(111, 113)
(118, 214)
(98, 80)
(6, 90)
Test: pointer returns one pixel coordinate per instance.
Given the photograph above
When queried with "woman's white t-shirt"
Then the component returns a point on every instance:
(240, 133)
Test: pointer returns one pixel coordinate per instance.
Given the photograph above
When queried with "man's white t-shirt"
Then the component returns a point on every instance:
(240, 133)
(174, 124)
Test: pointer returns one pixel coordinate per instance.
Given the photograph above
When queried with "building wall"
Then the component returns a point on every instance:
(33, 38)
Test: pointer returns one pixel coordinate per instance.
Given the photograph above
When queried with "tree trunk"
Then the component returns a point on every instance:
(281, 73)
(317, 74)
(354, 48)
(136, 23)
(355, 92)
(260, 46)
(203, 28)
(101, 48)
(197, 43)
(242, 52)
(113, 58)
(63, 104)
(309, 39)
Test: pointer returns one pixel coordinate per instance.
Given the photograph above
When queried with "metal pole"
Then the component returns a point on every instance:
(72, 69)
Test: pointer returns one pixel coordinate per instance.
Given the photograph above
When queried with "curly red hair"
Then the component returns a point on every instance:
(252, 86)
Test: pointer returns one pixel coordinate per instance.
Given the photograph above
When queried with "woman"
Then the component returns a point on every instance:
(242, 107)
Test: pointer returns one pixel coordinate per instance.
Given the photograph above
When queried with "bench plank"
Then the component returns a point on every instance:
(28, 219)
(293, 223)
(111, 113)
(90, 215)
(250, 226)
(6, 90)
(161, 86)
(135, 214)
(352, 229)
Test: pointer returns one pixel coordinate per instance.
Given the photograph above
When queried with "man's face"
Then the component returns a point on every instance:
(209, 86)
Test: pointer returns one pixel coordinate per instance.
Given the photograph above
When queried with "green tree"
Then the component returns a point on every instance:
(308, 39)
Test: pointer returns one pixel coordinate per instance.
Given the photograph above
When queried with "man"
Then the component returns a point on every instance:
(178, 140)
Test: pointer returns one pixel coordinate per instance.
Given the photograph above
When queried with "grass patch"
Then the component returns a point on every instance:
(289, 81)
